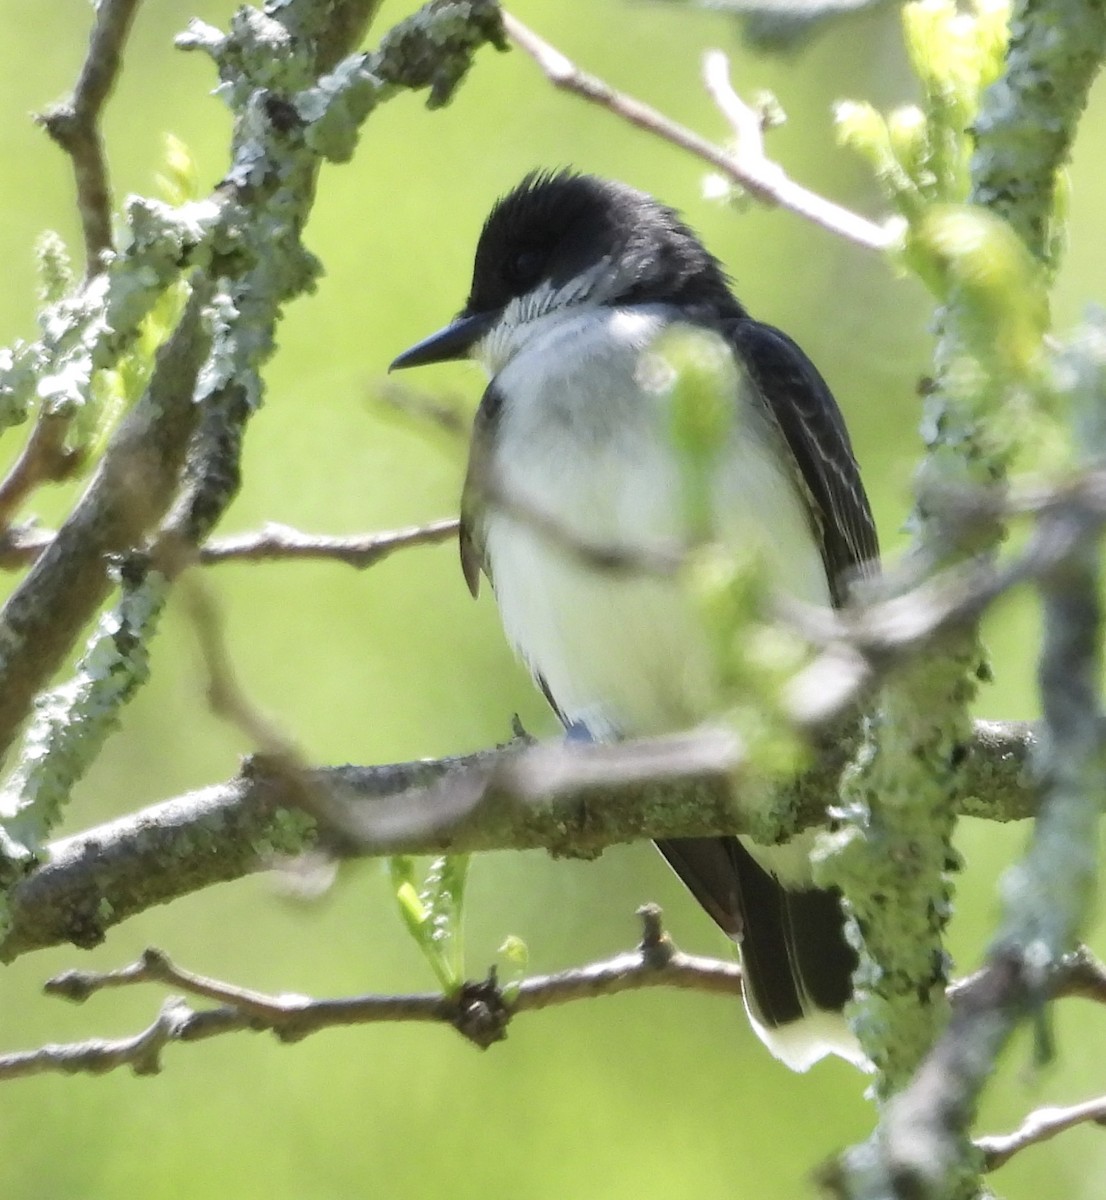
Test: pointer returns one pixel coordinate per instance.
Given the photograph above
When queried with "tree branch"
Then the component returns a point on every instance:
(260, 210)
(748, 168)
(1039, 1126)
(43, 459)
(75, 125)
(480, 1011)
(128, 494)
(922, 1146)
(272, 543)
(1025, 128)
(570, 800)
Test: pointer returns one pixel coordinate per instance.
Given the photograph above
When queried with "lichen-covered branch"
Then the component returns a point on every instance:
(923, 1147)
(570, 800)
(250, 261)
(129, 493)
(1027, 120)
(987, 357)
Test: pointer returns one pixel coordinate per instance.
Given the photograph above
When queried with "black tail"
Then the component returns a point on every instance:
(794, 954)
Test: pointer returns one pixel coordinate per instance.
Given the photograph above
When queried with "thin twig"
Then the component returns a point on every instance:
(280, 542)
(225, 694)
(425, 410)
(44, 459)
(480, 1011)
(1039, 1126)
(74, 125)
(765, 180)
(21, 545)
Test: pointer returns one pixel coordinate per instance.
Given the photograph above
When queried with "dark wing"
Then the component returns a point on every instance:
(484, 427)
(812, 426)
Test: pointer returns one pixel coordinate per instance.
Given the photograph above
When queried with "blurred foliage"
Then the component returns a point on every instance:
(434, 913)
(778, 26)
(642, 1096)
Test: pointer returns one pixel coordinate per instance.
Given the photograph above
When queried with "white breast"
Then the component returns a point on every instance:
(623, 654)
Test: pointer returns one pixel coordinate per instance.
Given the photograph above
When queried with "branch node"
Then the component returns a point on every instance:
(482, 1014)
(72, 985)
(656, 946)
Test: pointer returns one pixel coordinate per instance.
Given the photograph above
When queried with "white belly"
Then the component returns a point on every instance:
(625, 654)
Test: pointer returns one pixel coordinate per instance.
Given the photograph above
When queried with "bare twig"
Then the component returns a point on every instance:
(21, 545)
(445, 415)
(74, 125)
(480, 1011)
(861, 643)
(765, 180)
(279, 542)
(1039, 1126)
(230, 702)
(224, 693)
(745, 121)
(43, 459)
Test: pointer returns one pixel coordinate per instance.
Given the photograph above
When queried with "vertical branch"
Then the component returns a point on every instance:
(894, 855)
(1025, 124)
(74, 125)
(923, 1147)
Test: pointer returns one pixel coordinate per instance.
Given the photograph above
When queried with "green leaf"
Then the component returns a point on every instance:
(515, 955)
(433, 913)
(55, 268)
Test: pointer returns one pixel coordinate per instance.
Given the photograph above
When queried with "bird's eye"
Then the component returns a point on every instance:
(524, 267)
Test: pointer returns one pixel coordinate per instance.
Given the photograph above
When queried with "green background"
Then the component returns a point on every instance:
(651, 1095)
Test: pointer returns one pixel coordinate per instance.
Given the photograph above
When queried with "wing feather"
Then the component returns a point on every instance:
(807, 416)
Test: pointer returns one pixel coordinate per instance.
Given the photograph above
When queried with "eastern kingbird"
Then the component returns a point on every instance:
(575, 279)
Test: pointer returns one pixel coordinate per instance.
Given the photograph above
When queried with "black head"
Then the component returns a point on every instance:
(579, 239)
(556, 225)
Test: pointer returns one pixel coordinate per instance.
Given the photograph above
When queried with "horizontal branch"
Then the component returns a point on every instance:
(479, 1011)
(281, 543)
(1040, 1126)
(21, 545)
(569, 799)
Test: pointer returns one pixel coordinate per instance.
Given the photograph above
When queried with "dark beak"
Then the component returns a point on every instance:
(448, 344)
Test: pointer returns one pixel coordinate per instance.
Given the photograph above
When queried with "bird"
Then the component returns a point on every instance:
(576, 281)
